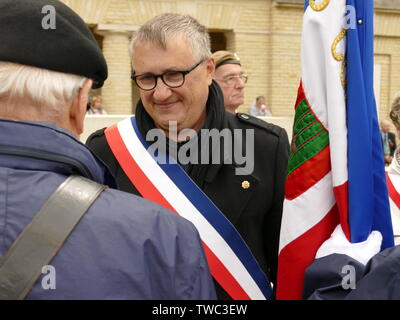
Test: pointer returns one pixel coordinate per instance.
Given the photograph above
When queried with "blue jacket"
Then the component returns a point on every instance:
(328, 279)
(124, 247)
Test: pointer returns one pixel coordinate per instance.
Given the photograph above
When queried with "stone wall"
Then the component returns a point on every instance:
(266, 35)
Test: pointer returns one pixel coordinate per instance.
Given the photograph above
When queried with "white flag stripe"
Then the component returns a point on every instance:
(186, 209)
(305, 211)
(322, 81)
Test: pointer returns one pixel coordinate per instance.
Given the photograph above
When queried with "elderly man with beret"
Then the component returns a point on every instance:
(231, 78)
(89, 242)
(231, 190)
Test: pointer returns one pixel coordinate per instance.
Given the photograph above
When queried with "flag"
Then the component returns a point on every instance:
(336, 170)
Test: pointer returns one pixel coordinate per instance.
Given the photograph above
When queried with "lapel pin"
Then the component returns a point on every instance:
(245, 184)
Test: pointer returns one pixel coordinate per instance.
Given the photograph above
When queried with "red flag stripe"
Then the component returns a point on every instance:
(309, 173)
(300, 96)
(299, 254)
(342, 200)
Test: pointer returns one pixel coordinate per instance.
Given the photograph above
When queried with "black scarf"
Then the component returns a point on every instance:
(215, 120)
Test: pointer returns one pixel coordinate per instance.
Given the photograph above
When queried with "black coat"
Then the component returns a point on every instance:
(255, 211)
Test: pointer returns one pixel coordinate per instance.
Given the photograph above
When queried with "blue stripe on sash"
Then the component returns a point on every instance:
(214, 216)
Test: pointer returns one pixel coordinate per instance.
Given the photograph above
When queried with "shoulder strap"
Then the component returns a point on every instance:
(40, 241)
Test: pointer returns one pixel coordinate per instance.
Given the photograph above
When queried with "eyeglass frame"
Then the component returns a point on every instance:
(156, 76)
(246, 78)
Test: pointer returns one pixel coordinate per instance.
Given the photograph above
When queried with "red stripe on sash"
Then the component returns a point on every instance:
(393, 194)
(148, 191)
(132, 170)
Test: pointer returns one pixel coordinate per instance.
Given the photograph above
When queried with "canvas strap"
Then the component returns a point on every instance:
(40, 241)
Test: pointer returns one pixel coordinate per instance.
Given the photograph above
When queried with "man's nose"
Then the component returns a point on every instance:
(161, 91)
(240, 83)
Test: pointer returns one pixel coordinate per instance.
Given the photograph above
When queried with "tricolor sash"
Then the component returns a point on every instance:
(393, 183)
(231, 262)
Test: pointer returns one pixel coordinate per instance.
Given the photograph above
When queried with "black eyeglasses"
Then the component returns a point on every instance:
(172, 79)
(232, 80)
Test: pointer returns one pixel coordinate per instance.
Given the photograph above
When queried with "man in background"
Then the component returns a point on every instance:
(231, 78)
(259, 109)
(388, 141)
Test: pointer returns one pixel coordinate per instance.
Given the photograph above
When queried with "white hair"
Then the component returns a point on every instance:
(168, 25)
(44, 90)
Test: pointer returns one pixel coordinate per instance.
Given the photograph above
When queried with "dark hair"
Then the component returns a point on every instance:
(260, 97)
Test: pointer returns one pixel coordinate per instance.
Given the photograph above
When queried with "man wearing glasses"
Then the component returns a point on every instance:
(238, 215)
(64, 234)
(230, 77)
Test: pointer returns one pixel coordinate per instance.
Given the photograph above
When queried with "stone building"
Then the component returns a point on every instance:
(265, 34)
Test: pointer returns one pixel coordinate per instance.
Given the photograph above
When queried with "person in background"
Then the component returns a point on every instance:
(123, 247)
(259, 109)
(95, 107)
(231, 78)
(388, 141)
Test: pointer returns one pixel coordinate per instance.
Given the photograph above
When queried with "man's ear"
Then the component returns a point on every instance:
(214, 67)
(79, 108)
(210, 67)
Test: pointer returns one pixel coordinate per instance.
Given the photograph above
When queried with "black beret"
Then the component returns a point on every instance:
(27, 37)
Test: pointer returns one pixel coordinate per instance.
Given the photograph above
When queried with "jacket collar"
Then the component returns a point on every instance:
(45, 146)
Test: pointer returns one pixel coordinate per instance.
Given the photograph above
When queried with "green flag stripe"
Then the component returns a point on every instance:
(307, 133)
(305, 121)
(313, 145)
(301, 111)
(309, 137)
(308, 150)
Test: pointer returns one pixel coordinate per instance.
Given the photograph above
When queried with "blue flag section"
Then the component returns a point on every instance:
(368, 196)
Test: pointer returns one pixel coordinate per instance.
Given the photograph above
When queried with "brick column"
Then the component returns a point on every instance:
(117, 90)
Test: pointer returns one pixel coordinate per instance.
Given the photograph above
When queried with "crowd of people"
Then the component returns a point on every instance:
(172, 224)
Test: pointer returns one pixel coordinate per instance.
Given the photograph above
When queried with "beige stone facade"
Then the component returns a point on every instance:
(266, 35)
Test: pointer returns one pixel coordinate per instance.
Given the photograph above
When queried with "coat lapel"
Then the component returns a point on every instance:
(230, 192)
